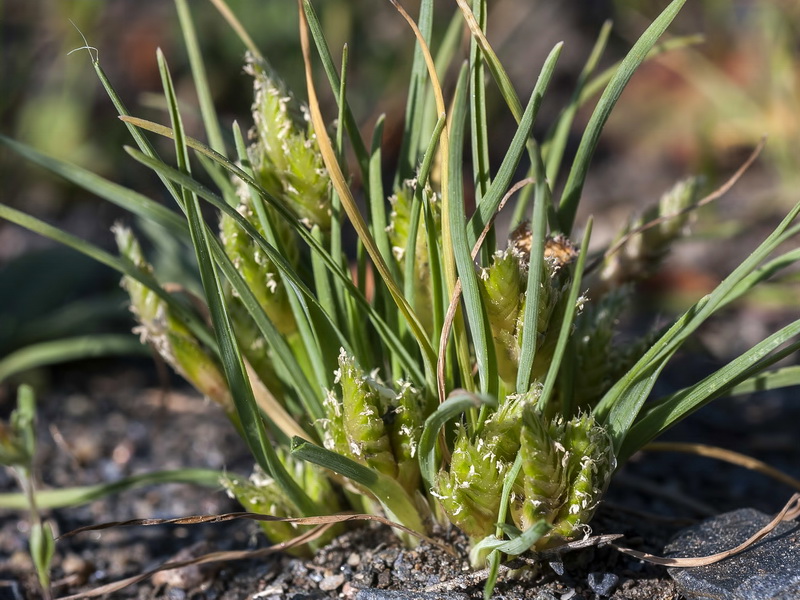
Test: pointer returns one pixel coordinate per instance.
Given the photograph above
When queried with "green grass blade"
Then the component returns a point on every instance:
(285, 361)
(455, 405)
(434, 261)
(515, 546)
(378, 222)
(619, 407)
(398, 505)
(141, 141)
(377, 201)
(535, 273)
(490, 203)
(251, 422)
(413, 127)
(495, 555)
(443, 62)
(66, 350)
(479, 126)
(350, 124)
(770, 380)
(761, 274)
(123, 197)
(322, 283)
(207, 109)
(569, 319)
(718, 384)
(78, 496)
(600, 81)
(311, 352)
(496, 68)
(570, 197)
(462, 250)
(556, 144)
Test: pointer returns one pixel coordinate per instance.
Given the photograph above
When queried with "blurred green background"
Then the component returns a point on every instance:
(700, 109)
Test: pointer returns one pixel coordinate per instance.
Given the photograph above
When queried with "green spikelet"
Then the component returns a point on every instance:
(398, 231)
(642, 253)
(364, 404)
(590, 465)
(503, 429)
(334, 437)
(502, 286)
(566, 467)
(405, 427)
(543, 476)
(169, 336)
(285, 156)
(257, 269)
(469, 491)
(260, 494)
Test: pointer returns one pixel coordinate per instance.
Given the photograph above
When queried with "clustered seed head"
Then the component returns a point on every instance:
(256, 268)
(398, 231)
(643, 252)
(171, 338)
(503, 286)
(469, 490)
(566, 467)
(373, 424)
(285, 154)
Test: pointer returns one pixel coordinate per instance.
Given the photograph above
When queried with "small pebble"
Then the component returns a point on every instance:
(331, 582)
(176, 594)
(603, 584)
(557, 566)
(354, 559)
(188, 577)
(77, 568)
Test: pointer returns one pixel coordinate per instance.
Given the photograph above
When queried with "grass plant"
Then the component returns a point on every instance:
(443, 369)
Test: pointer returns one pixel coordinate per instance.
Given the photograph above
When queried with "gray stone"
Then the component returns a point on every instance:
(395, 595)
(768, 570)
(603, 584)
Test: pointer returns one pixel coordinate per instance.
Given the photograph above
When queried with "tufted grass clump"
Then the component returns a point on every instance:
(477, 377)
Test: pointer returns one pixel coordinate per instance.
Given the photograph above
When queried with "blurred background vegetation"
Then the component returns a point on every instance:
(696, 110)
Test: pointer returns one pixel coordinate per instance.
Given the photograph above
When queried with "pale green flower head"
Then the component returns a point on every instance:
(285, 155)
(398, 232)
(374, 424)
(642, 252)
(170, 337)
(260, 273)
(566, 467)
(469, 489)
